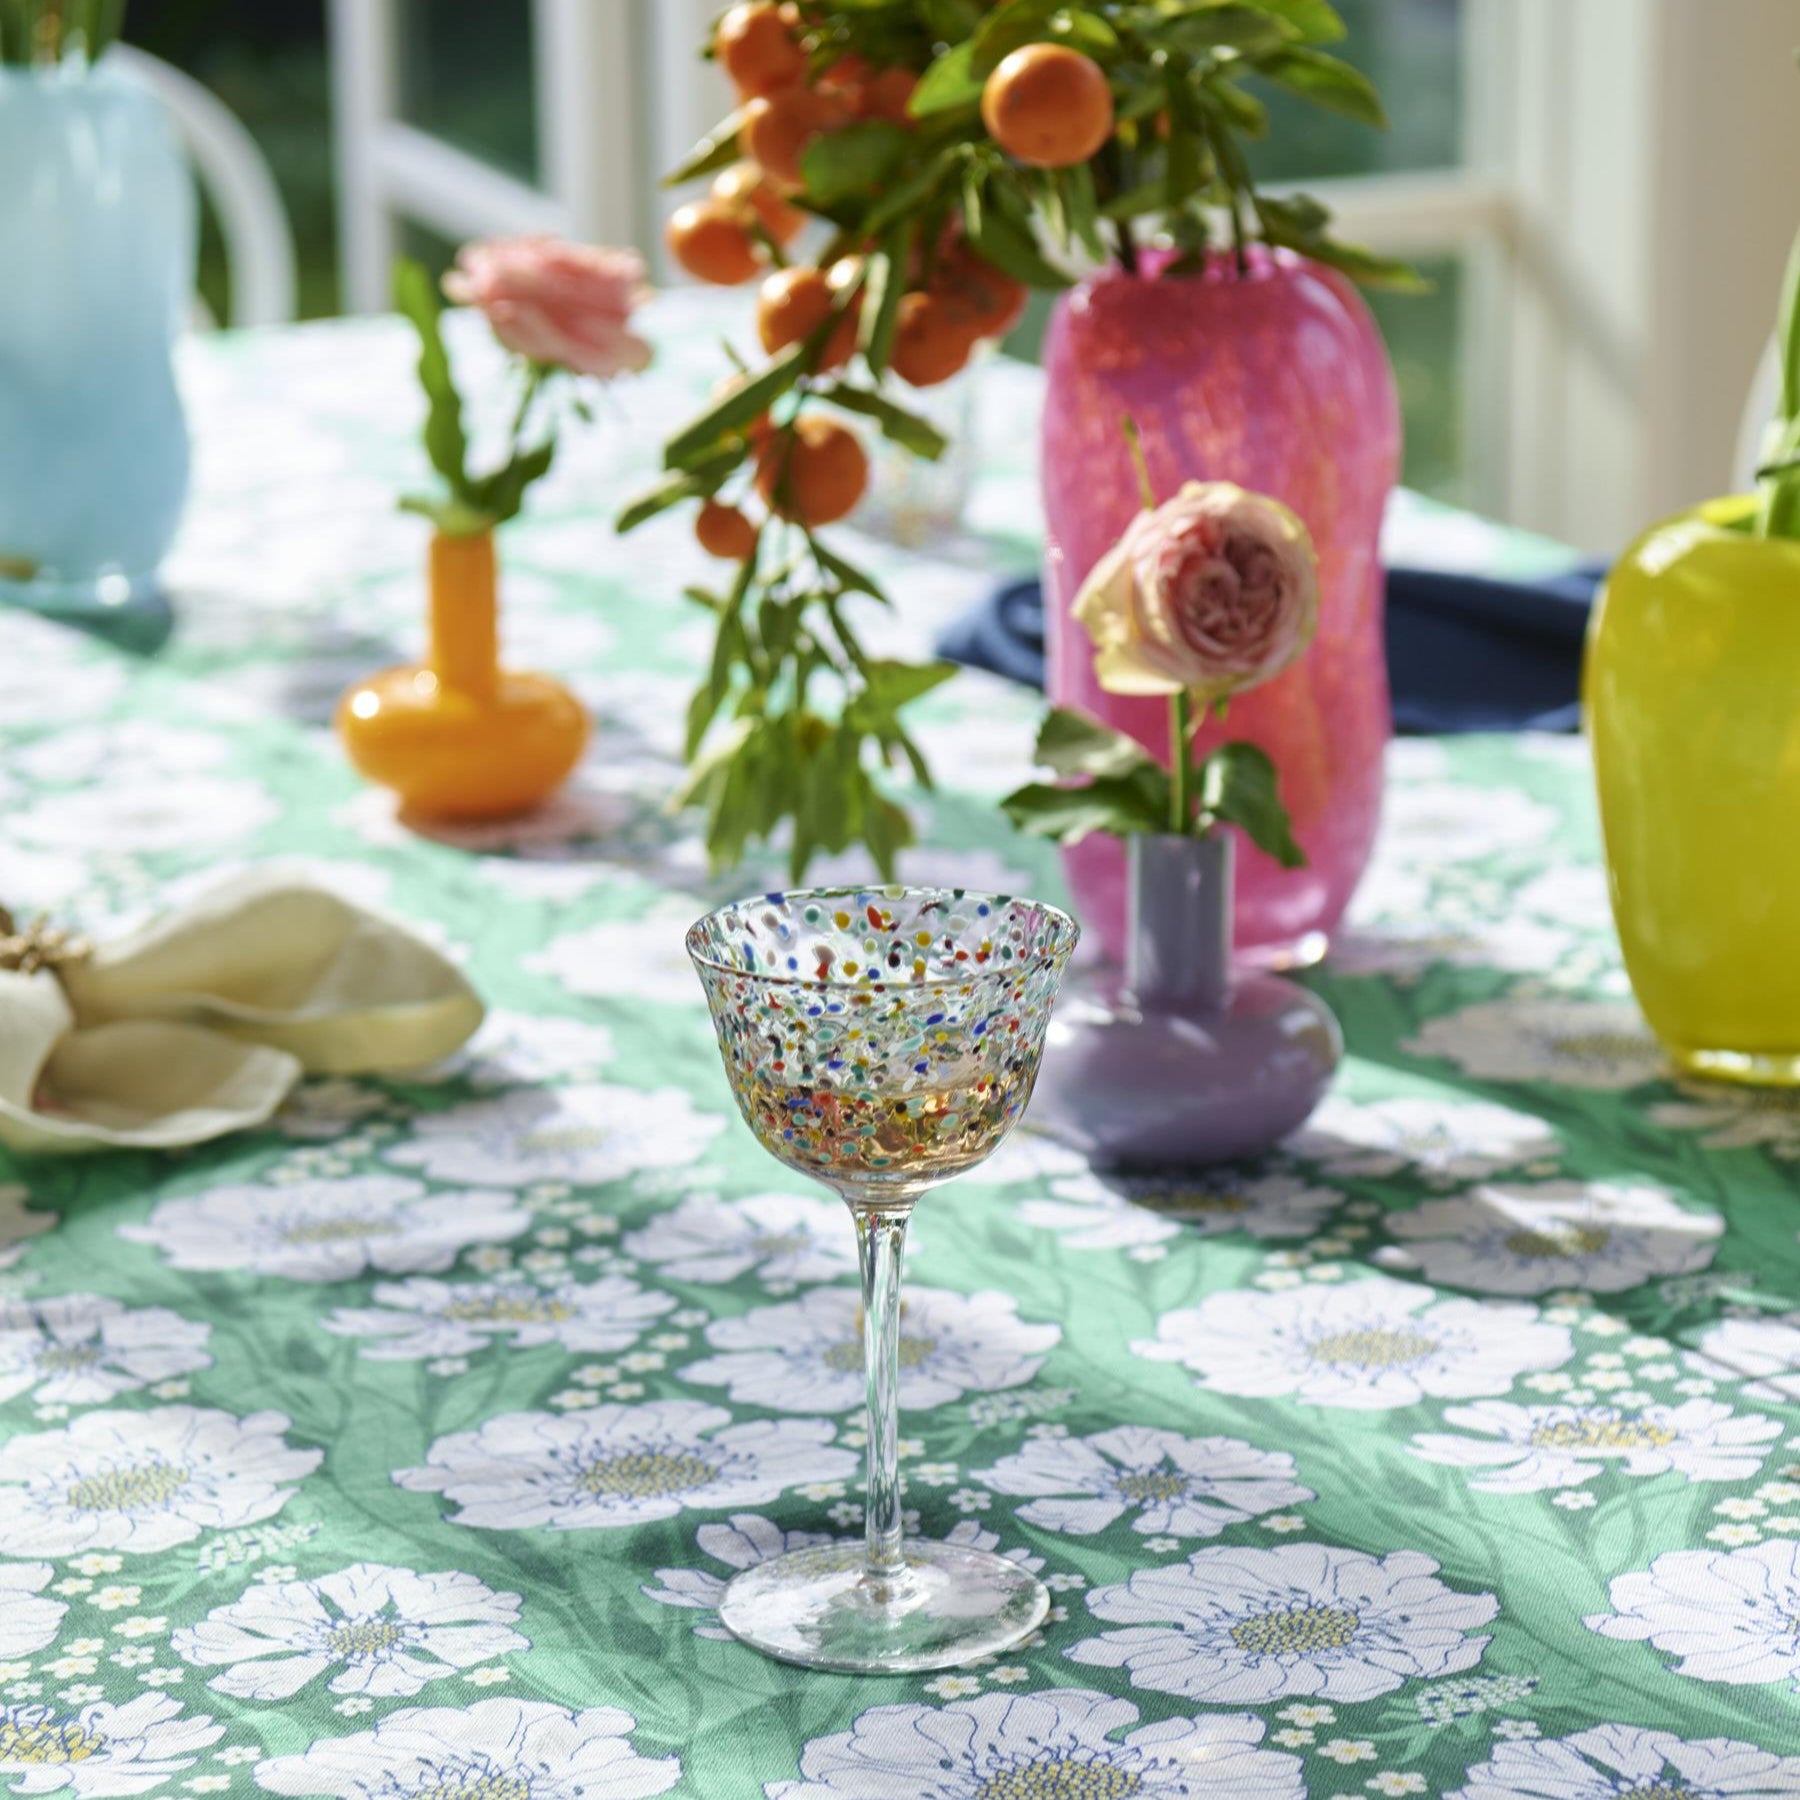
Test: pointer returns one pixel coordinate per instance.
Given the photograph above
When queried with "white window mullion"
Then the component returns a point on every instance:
(364, 97)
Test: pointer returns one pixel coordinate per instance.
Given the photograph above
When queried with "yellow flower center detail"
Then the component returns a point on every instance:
(1544, 1241)
(1600, 1046)
(123, 1490)
(48, 1740)
(1371, 1348)
(476, 1786)
(1153, 1486)
(1602, 1434)
(1296, 1633)
(1661, 1790)
(337, 1231)
(556, 1138)
(364, 1637)
(647, 1474)
(59, 1358)
(847, 1358)
(1196, 1200)
(1060, 1779)
(508, 1309)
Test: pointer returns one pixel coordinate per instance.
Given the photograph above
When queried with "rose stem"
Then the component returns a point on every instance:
(1180, 810)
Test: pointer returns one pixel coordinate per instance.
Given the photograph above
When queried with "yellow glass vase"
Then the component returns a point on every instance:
(458, 736)
(1692, 692)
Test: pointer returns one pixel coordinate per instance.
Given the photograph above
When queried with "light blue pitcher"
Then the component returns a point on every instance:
(97, 247)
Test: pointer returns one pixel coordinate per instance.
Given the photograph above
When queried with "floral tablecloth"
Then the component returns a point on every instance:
(404, 1448)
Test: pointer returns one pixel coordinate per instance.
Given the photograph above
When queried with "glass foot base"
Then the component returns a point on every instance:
(1747, 1068)
(821, 1608)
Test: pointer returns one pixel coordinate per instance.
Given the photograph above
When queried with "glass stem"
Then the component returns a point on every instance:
(881, 1244)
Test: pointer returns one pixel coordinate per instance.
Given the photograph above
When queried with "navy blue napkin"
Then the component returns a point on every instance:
(1465, 652)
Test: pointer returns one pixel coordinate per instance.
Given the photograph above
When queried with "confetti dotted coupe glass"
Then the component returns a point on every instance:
(882, 1041)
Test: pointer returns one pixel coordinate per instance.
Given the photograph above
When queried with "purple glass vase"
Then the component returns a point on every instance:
(1276, 379)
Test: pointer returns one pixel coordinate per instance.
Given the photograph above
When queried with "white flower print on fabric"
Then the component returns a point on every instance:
(422, 1317)
(145, 1481)
(1405, 949)
(1598, 1045)
(624, 959)
(502, 1748)
(328, 1230)
(79, 1349)
(43, 684)
(1528, 1449)
(616, 1465)
(1028, 1155)
(1538, 1238)
(102, 1748)
(18, 1224)
(788, 1239)
(1726, 1616)
(1763, 1353)
(1061, 1742)
(1234, 1626)
(1735, 1118)
(1618, 1762)
(381, 1631)
(1427, 824)
(89, 753)
(589, 1133)
(514, 1048)
(27, 1620)
(1444, 1141)
(747, 1539)
(1169, 1484)
(1368, 1345)
(139, 814)
(806, 1355)
(1115, 1212)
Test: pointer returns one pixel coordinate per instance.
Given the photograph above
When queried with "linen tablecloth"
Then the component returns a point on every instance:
(403, 1449)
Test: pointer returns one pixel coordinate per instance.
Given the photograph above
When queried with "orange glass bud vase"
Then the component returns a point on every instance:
(458, 737)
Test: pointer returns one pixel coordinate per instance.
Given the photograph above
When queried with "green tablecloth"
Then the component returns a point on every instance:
(403, 1449)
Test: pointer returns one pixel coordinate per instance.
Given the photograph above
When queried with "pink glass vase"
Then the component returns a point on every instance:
(1276, 379)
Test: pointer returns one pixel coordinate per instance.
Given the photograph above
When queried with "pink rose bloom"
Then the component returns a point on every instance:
(1213, 592)
(568, 305)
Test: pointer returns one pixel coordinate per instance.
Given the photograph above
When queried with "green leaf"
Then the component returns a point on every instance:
(1316, 21)
(887, 831)
(700, 482)
(503, 492)
(717, 150)
(1298, 223)
(1248, 29)
(893, 685)
(1009, 28)
(1085, 31)
(1326, 81)
(1120, 805)
(446, 444)
(1070, 743)
(734, 409)
(853, 163)
(1011, 247)
(847, 575)
(1238, 786)
(1082, 208)
(949, 84)
(883, 288)
(950, 21)
(907, 429)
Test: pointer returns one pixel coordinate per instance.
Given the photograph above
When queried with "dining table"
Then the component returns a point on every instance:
(404, 1446)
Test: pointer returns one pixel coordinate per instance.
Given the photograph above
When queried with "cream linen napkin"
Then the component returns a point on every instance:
(202, 1021)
